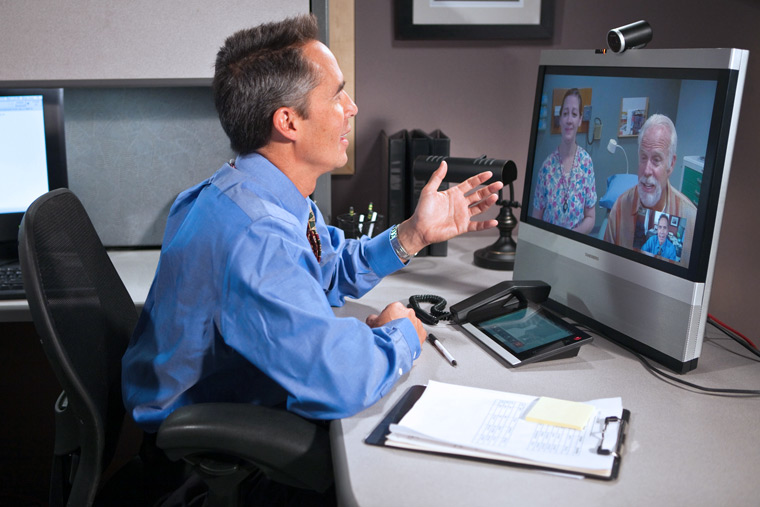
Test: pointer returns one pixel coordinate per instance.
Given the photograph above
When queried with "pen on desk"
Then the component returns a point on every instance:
(361, 222)
(437, 344)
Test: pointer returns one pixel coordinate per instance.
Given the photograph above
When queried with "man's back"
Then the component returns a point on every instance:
(238, 310)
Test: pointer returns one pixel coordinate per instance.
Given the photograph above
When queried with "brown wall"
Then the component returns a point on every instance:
(481, 95)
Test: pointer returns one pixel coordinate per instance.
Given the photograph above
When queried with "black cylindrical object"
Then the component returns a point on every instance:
(459, 169)
(633, 36)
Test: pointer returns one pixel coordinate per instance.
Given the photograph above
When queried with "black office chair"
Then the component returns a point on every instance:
(85, 317)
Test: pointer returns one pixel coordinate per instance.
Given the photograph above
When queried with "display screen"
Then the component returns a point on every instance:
(23, 155)
(32, 155)
(624, 159)
(527, 330)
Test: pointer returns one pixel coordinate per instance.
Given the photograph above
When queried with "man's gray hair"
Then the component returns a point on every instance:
(660, 120)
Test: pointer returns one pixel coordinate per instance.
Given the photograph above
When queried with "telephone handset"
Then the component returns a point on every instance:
(493, 300)
(496, 299)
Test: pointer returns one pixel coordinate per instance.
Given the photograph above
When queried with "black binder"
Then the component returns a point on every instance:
(419, 144)
(399, 150)
(395, 414)
(440, 145)
(394, 159)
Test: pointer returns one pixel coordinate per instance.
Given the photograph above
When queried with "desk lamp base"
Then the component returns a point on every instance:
(500, 255)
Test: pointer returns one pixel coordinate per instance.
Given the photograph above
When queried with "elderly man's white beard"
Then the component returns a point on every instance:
(648, 199)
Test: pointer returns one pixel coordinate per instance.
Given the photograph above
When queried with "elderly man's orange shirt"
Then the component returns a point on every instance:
(621, 224)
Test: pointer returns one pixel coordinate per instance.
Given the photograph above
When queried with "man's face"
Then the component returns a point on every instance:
(323, 142)
(655, 166)
(662, 229)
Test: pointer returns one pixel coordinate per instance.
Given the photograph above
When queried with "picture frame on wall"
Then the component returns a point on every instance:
(473, 19)
(633, 113)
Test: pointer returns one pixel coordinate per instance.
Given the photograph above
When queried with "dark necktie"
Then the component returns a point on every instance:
(313, 235)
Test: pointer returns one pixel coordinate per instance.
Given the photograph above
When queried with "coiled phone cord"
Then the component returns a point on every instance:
(437, 311)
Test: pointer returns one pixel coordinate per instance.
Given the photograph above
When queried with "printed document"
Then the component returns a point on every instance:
(491, 424)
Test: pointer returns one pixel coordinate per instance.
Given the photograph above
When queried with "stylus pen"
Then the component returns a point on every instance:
(442, 349)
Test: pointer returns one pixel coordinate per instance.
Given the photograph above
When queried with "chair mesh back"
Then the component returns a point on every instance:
(83, 314)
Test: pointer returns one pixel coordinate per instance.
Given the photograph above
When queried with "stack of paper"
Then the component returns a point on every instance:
(516, 428)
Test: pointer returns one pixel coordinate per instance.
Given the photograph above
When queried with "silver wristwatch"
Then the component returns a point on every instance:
(398, 247)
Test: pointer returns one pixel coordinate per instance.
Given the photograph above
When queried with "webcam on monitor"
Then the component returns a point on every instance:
(632, 36)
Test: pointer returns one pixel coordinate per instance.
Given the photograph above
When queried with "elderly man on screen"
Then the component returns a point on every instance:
(657, 158)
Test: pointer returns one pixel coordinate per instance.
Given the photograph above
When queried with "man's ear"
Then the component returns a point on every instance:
(285, 122)
(672, 165)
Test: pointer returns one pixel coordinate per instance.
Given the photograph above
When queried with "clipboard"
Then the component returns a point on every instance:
(378, 438)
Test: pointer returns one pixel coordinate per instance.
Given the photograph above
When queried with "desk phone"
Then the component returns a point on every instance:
(510, 323)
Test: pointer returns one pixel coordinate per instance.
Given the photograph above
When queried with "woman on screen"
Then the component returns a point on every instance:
(566, 190)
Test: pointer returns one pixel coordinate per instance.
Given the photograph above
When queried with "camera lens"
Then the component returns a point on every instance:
(633, 36)
(613, 41)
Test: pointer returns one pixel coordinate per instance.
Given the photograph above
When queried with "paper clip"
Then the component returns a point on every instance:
(618, 440)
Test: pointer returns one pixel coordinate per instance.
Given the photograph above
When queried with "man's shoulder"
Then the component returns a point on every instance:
(684, 205)
(625, 200)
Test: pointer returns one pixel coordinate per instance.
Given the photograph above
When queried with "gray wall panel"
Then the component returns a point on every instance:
(130, 152)
(93, 40)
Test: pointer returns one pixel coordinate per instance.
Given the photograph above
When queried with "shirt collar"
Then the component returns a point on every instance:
(268, 176)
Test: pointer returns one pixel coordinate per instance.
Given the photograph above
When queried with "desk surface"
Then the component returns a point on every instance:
(136, 269)
(683, 448)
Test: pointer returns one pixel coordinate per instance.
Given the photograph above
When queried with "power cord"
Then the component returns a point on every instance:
(712, 390)
(734, 335)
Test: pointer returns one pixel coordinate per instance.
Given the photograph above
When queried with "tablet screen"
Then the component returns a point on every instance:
(527, 331)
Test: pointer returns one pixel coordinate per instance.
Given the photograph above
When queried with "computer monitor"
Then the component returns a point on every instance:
(611, 278)
(32, 155)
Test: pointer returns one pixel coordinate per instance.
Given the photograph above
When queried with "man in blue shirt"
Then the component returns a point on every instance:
(240, 307)
(659, 244)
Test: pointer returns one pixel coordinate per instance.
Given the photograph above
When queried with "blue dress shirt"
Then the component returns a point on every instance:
(666, 250)
(240, 309)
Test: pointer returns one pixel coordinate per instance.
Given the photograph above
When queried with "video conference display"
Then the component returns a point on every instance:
(624, 161)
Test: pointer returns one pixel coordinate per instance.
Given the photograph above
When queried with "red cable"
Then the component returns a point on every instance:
(737, 333)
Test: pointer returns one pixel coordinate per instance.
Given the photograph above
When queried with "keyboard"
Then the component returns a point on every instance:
(11, 284)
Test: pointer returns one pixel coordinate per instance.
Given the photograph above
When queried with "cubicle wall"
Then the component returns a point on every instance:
(85, 41)
(130, 152)
(140, 121)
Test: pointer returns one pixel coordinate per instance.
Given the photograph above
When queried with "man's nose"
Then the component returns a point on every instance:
(351, 108)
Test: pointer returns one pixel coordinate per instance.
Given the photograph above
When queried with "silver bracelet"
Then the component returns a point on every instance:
(398, 247)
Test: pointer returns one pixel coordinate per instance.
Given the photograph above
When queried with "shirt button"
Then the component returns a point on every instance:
(400, 372)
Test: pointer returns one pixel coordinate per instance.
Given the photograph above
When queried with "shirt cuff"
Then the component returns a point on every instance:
(409, 332)
(381, 256)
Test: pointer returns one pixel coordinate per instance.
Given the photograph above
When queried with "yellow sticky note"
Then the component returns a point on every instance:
(567, 414)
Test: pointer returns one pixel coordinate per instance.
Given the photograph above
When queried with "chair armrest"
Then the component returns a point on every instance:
(285, 446)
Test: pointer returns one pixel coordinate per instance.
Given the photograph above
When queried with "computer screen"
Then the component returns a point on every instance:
(32, 155)
(625, 185)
